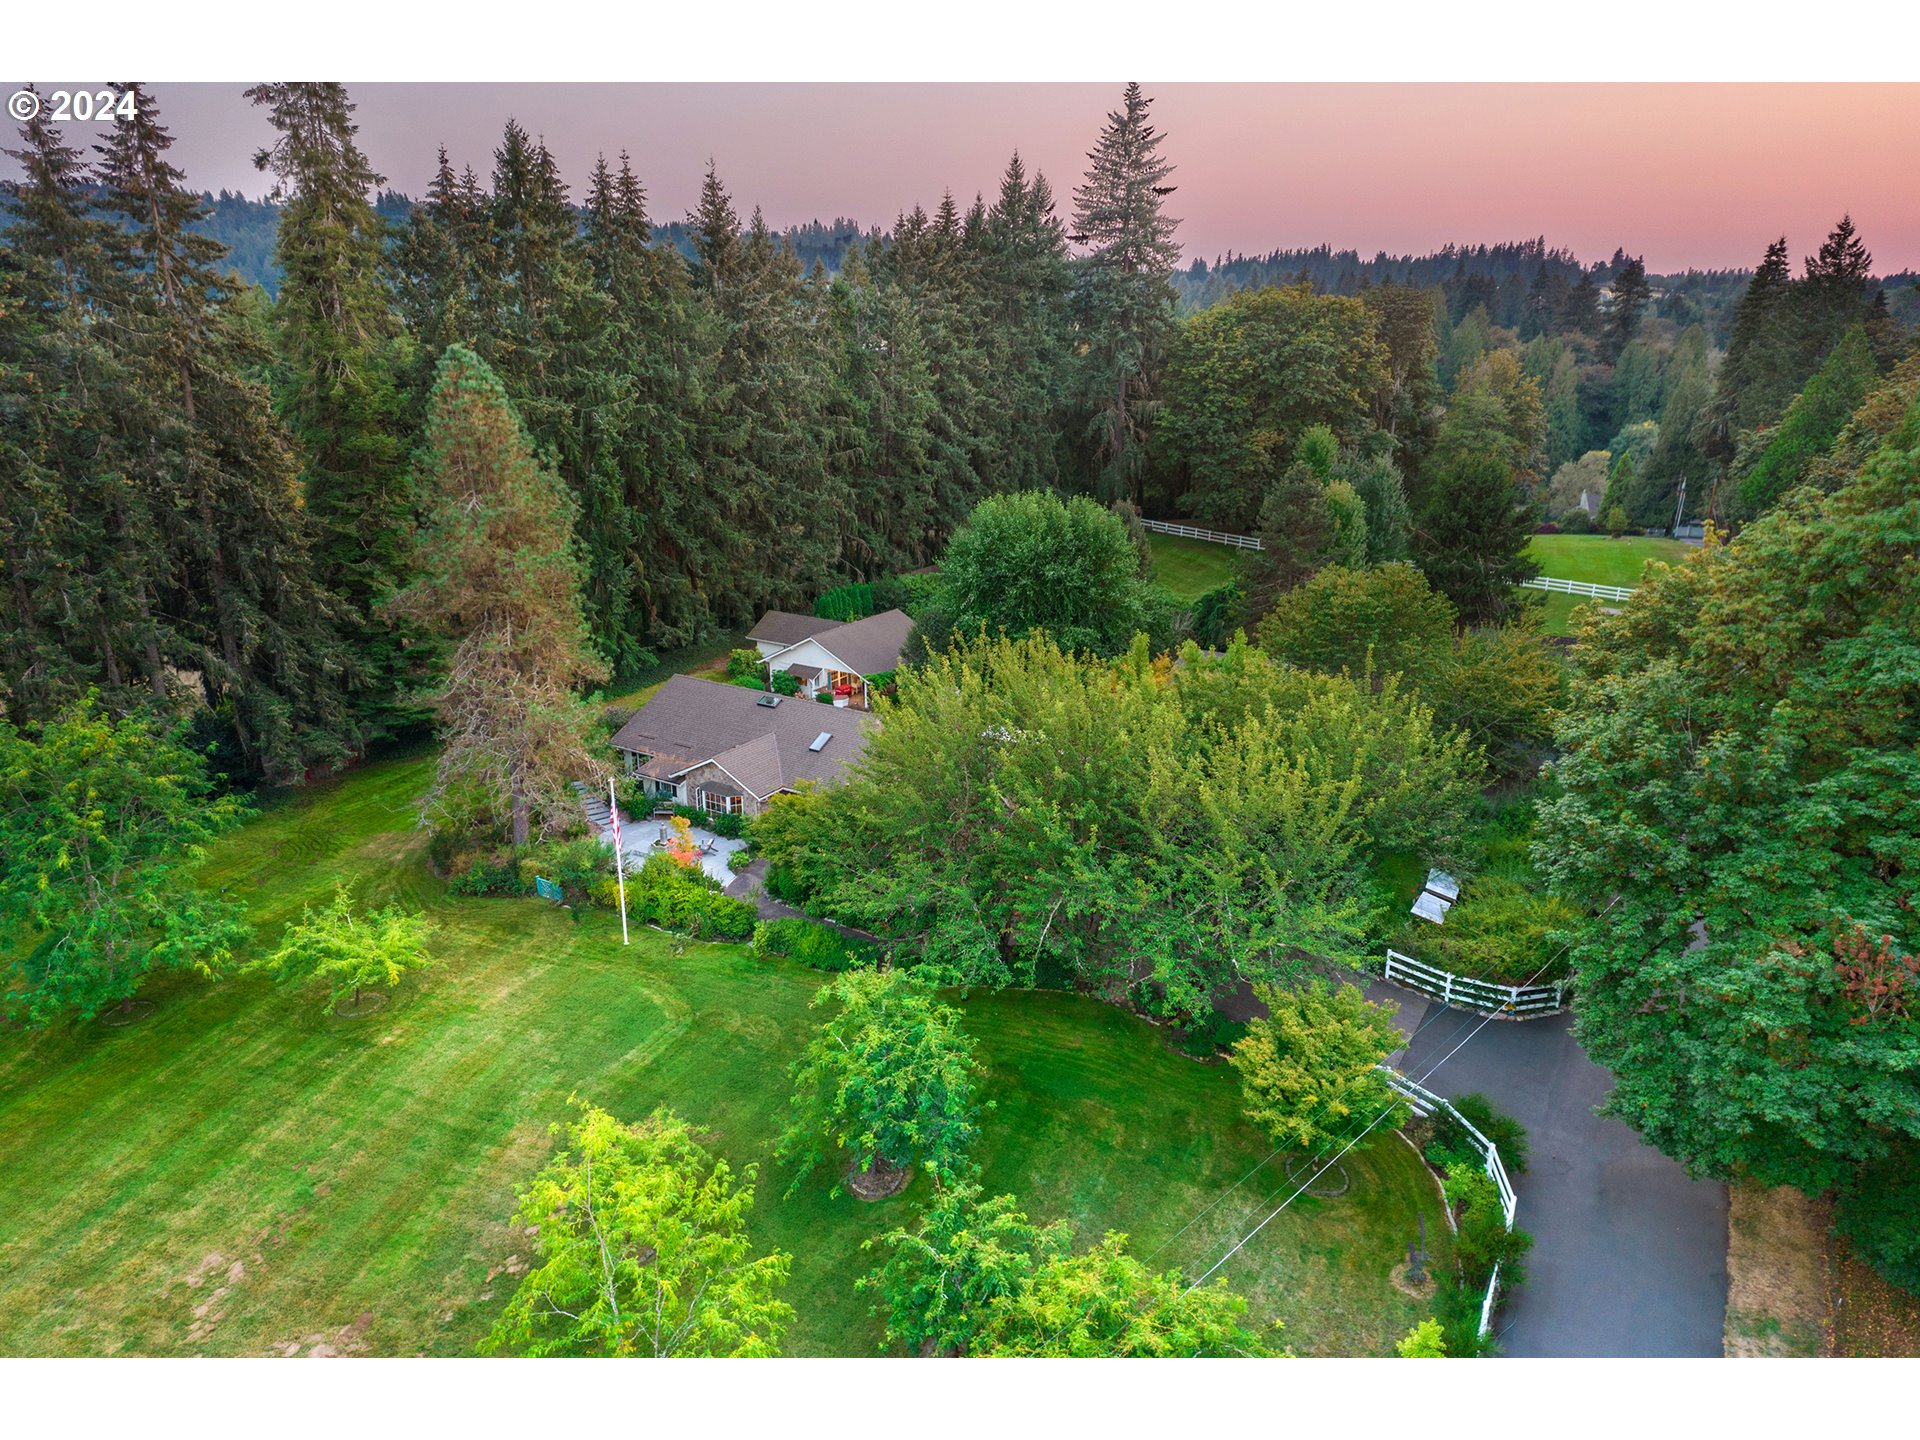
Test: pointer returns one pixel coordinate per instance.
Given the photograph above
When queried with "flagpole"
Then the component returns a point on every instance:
(619, 860)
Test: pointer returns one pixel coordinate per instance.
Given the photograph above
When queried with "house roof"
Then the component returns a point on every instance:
(866, 647)
(691, 722)
(783, 627)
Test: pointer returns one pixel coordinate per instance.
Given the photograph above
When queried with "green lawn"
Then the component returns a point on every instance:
(1187, 569)
(238, 1174)
(1599, 560)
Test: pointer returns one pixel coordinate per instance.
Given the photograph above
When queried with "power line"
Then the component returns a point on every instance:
(1484, 1022)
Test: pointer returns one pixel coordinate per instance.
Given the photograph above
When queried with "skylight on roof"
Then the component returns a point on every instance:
(820, 740)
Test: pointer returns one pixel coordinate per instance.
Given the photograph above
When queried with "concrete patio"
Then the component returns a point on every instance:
(639, 839)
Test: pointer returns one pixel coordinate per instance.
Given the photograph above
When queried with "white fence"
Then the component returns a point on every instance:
(1194, 532)
(1425, 1102)
(1502, 1002)
(1579, 587)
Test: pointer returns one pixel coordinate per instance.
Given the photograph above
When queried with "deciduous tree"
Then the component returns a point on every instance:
(939, 1280)
(103, 824)
(888, 1081)
(1736, 759)
(351, 953)
(1106, 1303)
(644, 1251)
(1307, 1066)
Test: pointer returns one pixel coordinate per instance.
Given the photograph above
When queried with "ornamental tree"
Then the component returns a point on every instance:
(938, 1280)
(1739, 758)
(1307, 1066)
(351, 953)
(103, 823)
(1105, 1303)
(644, 1250)
(888, 1079)
(1426, 1341)
(1032, 561)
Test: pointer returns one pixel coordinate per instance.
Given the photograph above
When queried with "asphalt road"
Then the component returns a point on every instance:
(1630, 1256)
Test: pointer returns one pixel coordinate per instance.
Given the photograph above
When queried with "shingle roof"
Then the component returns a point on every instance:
(870, 646)
(783, 627)
(689, 722)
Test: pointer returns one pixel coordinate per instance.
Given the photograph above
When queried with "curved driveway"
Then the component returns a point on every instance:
(1630, 1256)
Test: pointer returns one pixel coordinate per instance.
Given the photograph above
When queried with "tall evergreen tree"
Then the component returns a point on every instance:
(498, 581)
(1630, 291)
(1124, 299)
(647, 403)
(1027, 279)
(81, 555)
(1476, 517)
(340, 347)
(252, 622)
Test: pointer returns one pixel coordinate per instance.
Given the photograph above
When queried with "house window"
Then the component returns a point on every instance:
(717, 804)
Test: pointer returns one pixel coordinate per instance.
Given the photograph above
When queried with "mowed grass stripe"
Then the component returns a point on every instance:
(362, 1172)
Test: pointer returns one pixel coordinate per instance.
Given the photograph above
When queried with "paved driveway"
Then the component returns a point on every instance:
(1630, 1256)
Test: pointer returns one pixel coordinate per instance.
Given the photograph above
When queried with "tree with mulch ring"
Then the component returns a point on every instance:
(1308, 1076)
(128, 1012)
(353, 954)
(888, 1081)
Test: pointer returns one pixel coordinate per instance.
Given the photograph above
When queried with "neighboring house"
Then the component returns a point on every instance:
(727, 749)
(835, 656)
(780, 628)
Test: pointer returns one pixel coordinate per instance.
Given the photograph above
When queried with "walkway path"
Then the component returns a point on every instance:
(1630, 1256)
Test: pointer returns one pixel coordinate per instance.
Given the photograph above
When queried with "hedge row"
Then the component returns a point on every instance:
(811, 943)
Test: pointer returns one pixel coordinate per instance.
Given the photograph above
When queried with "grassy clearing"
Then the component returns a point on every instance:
(1776, 1273)
(1598, 560)
(709, 659)
(240, 1174)
(1187, 569)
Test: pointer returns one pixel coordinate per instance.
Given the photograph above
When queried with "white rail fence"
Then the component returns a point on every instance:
(1502, 1002)
(1579, 587)
(1194, 532)
(1425, 1102)
(1252, 542)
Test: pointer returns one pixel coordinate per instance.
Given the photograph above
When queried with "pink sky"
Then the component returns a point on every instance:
(1702, 175)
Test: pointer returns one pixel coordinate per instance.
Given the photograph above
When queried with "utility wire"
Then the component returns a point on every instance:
(1433, 1070)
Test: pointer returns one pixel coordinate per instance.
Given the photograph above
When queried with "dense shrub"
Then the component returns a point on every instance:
(1546, 527)
(890, 594)
(1483, 1240)
(1212, 1034)
(785, 684)
(484, 872)
(613, 718)
(845, 602)
(1216, 614)
(783, 885)
(1502, 931)
(574, 865)
(1451, 1145)
(1880, 1216)
(743, 664)
(811, 943)
(1576, 522)
(686, 900)
(922, 591)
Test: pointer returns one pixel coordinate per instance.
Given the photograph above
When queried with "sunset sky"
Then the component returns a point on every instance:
(1687, 175)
